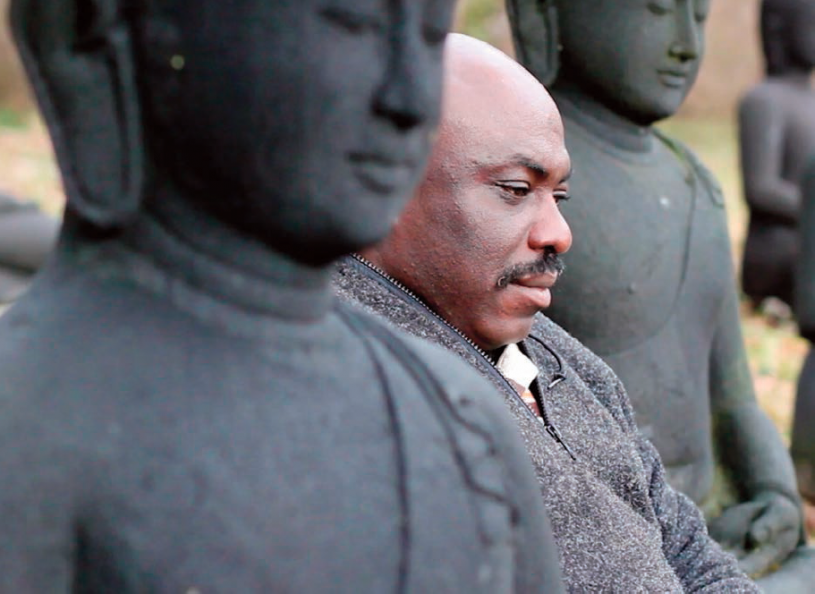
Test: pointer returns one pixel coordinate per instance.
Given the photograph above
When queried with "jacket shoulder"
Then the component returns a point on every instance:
(595, 373)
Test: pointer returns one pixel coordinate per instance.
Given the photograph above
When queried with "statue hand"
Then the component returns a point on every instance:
(761, 533)
(773, 535)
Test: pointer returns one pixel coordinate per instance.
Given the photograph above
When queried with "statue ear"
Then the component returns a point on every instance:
(78, 55)
(535, 36)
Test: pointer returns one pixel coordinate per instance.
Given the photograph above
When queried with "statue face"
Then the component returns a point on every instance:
(788, 35)
(305, 123)
(802, 34)
(638, 57)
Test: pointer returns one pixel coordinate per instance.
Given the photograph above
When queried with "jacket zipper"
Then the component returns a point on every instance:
(544, 419)
(550, 428)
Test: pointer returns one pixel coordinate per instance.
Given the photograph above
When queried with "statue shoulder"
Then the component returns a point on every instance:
(446, 369)
(696, 168)
(762, 101)
(12, 205)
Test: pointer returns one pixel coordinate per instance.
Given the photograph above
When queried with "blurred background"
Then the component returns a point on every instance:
(706, 122)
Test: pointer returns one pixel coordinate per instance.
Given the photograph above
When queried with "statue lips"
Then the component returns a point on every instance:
(382, 174)
(673, 78)
(535, 289)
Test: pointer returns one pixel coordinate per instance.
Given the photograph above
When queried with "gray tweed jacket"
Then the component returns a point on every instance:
(618, 525)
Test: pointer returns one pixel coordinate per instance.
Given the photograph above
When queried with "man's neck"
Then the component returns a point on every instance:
(211, 270)
(600, 120)
(372, 256)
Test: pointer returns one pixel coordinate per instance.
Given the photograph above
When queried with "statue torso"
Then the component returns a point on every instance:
(797, 108)
(645, 281)
(176, 457)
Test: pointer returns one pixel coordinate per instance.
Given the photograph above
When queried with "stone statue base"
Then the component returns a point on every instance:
(796, 576)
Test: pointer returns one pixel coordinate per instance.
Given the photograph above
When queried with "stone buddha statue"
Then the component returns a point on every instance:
(649, 283)
(185, 407)
(803, 435)
(26, 237)
(777, 134)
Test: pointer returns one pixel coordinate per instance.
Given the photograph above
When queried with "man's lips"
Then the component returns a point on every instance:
(537, 281)
(535, 289)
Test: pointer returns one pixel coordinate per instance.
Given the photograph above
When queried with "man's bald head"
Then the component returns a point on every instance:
(475, 70)
(478, 239)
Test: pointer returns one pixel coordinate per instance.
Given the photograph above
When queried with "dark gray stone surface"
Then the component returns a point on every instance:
(27, 236)
(803, 436)
(185, 407)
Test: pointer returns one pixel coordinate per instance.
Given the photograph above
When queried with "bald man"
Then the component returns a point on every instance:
(469, 266)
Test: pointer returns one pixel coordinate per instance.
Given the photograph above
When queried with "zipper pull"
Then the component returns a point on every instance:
(553, 431)
(556, 379)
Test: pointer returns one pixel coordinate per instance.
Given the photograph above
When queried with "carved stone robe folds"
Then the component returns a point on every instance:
(650, 288)
(618, 525)
(193, 438)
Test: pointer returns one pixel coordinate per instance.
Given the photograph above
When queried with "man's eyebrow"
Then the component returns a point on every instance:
(531, 164)
(520, 160)
(539, 169)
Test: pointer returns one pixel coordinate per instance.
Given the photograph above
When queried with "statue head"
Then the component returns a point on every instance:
(788, 35)
(303, 124)
(639, 58)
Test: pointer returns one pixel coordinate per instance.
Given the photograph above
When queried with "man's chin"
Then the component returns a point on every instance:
(509, 333)
(526, 301)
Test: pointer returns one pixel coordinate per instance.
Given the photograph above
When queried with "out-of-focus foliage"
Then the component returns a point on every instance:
(484, 19)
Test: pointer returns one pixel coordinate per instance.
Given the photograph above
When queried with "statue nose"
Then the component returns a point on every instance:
(404, 97)
(396, 103)
(684, 52)
(686, 46)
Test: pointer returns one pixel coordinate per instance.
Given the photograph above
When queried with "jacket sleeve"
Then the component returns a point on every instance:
(698, 560)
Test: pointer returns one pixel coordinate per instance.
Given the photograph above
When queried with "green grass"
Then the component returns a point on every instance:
(475, 16)
(12, 120)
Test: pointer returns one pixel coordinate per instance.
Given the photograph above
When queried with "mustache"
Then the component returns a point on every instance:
(549, 262)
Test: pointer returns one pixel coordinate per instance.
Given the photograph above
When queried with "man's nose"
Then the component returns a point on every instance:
(405, 96)
(551, 229)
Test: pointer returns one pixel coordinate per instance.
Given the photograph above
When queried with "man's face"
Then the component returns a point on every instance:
(473, 241)
(308, 121)
(638, 57)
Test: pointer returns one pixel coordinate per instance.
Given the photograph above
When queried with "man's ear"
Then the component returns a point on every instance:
(535, 37)
(79, 59)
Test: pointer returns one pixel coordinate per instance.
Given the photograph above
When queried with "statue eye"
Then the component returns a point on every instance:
(661, 7)
(434, 35)
(702, 10)
(351, 21)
